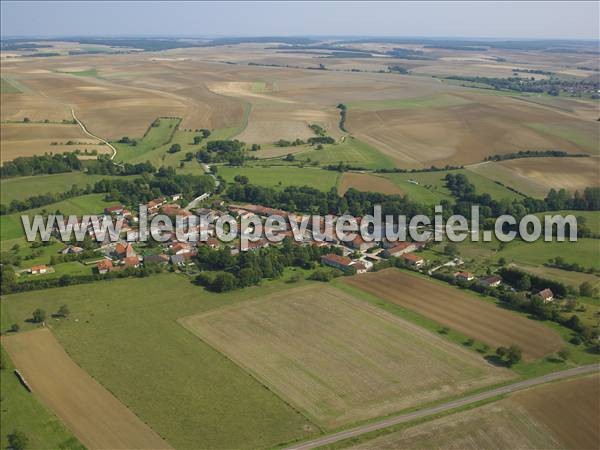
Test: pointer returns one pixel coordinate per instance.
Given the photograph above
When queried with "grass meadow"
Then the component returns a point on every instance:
(184, 389)
(23, 412)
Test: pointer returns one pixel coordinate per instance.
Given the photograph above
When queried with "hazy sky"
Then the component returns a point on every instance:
(537, 19)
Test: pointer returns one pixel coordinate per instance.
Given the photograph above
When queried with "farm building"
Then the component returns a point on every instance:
(546, 294)
(156, 259)
(413, 260)
(360, 267)
(464, 276)
(400, 249)
(39, 270)
(337, 261)
(180, 247)
(116, 209)
(358, 243)
(104, 266)
(154, 205)
(493, 281)
(71, 250)
(124, 250)
(131, 261)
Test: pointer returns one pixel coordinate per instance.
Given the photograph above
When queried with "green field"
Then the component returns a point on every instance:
(351, 151)
(11, 225)
(584, 252)
(7, 87)
(84, 73)
(435, 101)
(21, 411)
(282, 176)
(154, 138)
(587, 139)
(20, 188)
(184, 389)
(430, 187)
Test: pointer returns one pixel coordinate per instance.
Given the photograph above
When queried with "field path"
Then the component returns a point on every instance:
(92, 413)
(85, 130)
(403, 418)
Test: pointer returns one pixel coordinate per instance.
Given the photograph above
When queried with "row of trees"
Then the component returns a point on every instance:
(533, 154)
(41, 164)
(222, 271)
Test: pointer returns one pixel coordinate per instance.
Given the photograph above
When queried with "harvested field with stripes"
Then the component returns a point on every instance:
(460, 311)
(338, 359)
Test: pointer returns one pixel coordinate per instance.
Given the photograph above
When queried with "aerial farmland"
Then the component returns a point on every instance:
(213, 334)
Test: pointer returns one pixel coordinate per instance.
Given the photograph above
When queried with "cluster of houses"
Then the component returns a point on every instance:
(495, 281)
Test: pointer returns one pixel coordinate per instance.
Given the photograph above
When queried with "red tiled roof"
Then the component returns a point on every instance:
(337, 259)
(131, 261)
(411, 257)
(546, 293)
(104, 264)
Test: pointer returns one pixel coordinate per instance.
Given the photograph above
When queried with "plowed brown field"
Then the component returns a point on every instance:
(460, 311)
(91, 412)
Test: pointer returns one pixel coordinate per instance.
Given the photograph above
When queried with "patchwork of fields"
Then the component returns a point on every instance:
(561, 415)
(91, 412)
(305, 345)
(461, 311)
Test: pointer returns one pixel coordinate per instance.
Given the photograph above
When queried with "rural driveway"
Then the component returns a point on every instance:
(403, 418)
(85, 130)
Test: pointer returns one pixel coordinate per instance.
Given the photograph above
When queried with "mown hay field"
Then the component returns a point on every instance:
(460, 311)
(339, 359)
(90, 411)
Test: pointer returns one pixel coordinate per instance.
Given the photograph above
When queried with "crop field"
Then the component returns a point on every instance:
(567, 173)
(27, 139)
(460, 311)
(584, 252)
(91, 412)
(6, 87)
(498, 426)
(11, 224)
(157, 135)
(303, 345)
(188, 393)
(282, 176)
(22, 411)
(368, 183)
(20, 188)
(435, 131)
(415, 185)
(569, 409)
(554, 416)
(351, 151)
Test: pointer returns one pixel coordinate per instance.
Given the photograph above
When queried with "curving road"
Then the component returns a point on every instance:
(85, 130)
(353, 432)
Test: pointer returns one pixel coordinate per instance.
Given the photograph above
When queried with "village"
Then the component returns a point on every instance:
(357, 256)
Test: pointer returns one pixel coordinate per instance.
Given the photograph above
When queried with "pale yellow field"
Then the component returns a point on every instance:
(554, 416)
(34, 139)
(304, 345)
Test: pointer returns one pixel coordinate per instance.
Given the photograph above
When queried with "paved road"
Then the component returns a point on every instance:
(326, 440)
(85, 130)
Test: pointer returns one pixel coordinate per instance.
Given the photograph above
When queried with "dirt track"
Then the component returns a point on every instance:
(460, 311)
(91, 412)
